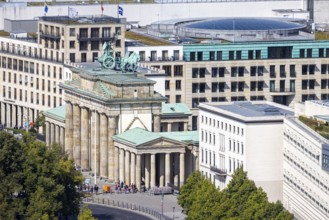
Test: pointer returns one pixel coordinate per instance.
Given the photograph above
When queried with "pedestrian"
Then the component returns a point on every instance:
(96, 189)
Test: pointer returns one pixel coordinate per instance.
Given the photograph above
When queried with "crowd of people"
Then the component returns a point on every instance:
(89, 188)
(131, 188)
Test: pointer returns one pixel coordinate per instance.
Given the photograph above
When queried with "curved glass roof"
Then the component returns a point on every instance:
(243, 24)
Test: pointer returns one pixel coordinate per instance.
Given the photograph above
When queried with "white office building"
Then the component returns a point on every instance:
(306, 166)
(247, 134)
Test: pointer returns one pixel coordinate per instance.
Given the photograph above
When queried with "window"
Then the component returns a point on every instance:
(214, 71)
(292, 71)
(321, 52)
(253, 70)
(178, 85)
(234, 71)
(231, 55)
(72, 32)
(167, 85)
(83, 57)
(167, 70)
(72, 57)
(238, 55)
(95, 45)
(304, 69)
(72, 44)
(309, 53)
(192, 56)
(142, 55)
(178, 98)
(212, 55)
(302, 53)
(200, 56)
(250, 54)
(258, 54)
(304, 84)
(324, 68)
(219, 55)
(178, 70)
(221, 71)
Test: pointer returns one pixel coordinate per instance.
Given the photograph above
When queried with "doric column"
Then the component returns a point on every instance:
(132, 168)
(196, 156)
(153, 173)
(127, 168)
(111, 131)
(77, 134)
(116, 164)
(14, 115)
(147, 170)
(138, 172)
(62, 137)
(122, 165)
(69, 129)
(181, 169)
(19, 116)
(162, 170)
(185, 126)
(3, 113)
(176, 169)
(167, 161)
(52, 133)
(95, 148)
(103, 146)
(57, 134)
(169, 127)
(8, 116)
(84, 139)
(47, 133)
(156, 123)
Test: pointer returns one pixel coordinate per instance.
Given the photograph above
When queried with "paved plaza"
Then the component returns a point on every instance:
(170, 207)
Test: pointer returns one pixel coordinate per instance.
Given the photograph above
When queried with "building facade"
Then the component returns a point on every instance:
(247, 134)
(31, 71)
(305, 171)
(286, 72)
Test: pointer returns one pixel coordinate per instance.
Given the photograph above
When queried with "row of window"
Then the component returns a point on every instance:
(308, 174)
(306, 194)
(154, 56)
(30, 67)
(300, 146)
(235, 147)
(18, 94)
(178, 85)
(240, 71)
(272, 53)
(221, 125)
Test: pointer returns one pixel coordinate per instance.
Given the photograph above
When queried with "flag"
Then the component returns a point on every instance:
(120, 10)
(73, 13)
(45, 9)
(102, 8)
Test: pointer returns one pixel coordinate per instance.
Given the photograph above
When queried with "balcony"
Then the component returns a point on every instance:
(48, 35)
(282, 91)
(218, 171)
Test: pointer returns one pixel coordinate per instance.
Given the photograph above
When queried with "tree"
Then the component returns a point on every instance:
(241, 199)
(187, 192)
(45, 180)
(85, 214)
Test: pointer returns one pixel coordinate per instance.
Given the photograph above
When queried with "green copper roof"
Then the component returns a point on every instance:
(57, 113)
(175, 108)
(138, 136)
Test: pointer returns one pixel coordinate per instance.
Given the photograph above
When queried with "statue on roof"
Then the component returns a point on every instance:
(110, 60)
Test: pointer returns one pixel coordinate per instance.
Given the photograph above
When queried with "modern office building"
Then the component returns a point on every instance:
(285, 72)
(248, 134)
(31, 71)
(306, 165)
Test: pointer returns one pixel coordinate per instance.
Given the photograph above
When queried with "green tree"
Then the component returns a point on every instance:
(46, 187)
(241, 199)
(187, 192)
(86, 214)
